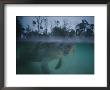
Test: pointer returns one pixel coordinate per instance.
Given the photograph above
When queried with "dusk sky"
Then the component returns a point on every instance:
(71, 20)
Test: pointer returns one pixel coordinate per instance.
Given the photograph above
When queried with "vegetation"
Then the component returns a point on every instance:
(81, 29)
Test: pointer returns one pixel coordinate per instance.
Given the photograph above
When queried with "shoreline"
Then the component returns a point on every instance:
(59, 40)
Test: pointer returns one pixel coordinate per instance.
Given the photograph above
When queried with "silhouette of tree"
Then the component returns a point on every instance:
(84, 28)
(72, 33)
(42, 24)
(19, 28)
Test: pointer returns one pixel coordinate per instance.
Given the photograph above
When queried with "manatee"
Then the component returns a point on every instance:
(43, 53)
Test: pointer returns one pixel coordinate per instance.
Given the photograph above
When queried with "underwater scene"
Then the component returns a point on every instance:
(54, 45)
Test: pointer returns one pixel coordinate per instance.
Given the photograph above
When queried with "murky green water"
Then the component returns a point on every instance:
(54, 58)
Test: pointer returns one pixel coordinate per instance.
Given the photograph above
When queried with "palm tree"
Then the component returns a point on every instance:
(81, 27)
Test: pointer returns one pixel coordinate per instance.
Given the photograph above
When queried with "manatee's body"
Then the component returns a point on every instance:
(44, 52)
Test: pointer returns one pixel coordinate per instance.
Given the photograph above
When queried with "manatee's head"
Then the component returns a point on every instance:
(68, 48)
(58, 50)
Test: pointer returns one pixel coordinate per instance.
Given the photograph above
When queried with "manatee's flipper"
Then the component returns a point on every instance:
(44, 67)
(59, 64)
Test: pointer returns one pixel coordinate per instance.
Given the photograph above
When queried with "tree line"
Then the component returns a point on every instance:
(81, 29)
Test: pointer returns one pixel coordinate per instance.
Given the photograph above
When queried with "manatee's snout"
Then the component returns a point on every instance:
(67, 49)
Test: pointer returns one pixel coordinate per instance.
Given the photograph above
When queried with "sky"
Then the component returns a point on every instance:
(71, 20)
